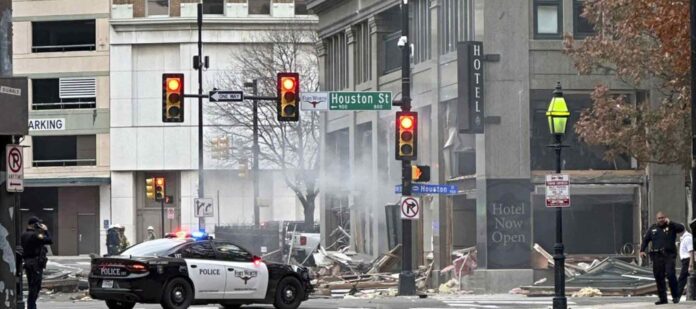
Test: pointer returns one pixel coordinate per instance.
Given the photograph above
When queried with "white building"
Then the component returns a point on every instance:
(149, 38)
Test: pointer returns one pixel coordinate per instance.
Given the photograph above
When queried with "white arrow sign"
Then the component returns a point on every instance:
(226, 96)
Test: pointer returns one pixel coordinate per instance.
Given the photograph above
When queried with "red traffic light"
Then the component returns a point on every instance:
(173, 84)
(406, 122)
(288, 95)
(288, 83)
(406, 135)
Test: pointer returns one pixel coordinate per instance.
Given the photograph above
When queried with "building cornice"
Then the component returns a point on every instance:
(317, 6)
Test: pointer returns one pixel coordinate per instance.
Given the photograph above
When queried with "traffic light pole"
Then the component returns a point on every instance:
(255, 168)
(199, 66)
(407, 280)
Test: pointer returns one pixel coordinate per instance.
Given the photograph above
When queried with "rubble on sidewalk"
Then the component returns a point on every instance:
(463, 264)
(587, 292)
(59, 278)
(610, 277)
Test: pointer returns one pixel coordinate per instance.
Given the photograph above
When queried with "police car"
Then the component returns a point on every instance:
(183, 271)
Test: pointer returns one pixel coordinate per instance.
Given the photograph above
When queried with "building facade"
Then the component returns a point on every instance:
(63, 49)
(149, 38)
(499, 164)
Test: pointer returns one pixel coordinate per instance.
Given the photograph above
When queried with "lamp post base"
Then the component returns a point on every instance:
(560, 302)
(407, 283)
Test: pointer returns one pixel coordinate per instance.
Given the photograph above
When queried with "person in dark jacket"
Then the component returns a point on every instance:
(113, 240)
(34, 241)
(663, 252)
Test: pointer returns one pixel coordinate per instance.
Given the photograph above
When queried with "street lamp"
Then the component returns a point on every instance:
(558, 114)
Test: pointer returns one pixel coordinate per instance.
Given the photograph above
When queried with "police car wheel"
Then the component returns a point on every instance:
(289, 293)
(117, 304)
(177, 294)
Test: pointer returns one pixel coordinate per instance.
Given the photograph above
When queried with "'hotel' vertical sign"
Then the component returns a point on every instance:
(470, 86)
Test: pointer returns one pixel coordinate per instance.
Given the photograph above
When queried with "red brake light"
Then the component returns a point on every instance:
(137, 268)
(257, 261)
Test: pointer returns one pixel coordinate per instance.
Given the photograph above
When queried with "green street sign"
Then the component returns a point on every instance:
(360, 101)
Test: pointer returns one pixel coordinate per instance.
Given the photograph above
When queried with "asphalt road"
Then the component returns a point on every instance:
(464, 301)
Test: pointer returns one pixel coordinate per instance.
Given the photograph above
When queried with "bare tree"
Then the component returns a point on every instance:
(292, 147)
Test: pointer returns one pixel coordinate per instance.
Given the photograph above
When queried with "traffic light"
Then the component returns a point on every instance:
(150, 188)
(221, 147)
(159, 189)
(420, 173)
(172, 97)
(406, 135)
(288, 96)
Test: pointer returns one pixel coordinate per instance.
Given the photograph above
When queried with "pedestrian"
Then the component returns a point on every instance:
(151, 233)
(123, 244)
(686, 247)
(113, 240)
(663, 236)
(34, 241)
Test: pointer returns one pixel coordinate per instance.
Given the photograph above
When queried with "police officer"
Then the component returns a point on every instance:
(34, 241)
(113, 240)
(663, 236)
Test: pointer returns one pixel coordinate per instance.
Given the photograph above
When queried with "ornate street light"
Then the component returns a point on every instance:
(557, 115)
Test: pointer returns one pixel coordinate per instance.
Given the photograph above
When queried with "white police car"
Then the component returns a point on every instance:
(184, 271)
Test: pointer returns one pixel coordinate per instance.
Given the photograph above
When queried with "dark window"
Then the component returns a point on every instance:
(467, 162)
(548, 19)
(260, 7)
(392, 53)
(198, 250)
(582, 27)
(157, 7)
(455, 24)
(608, 218)
(59, 36)
(63, 93)
(72, 150)
(158, 247)
(216, 7)
(336, 62)
(579, 156)
(363, 53)
(301, 7)
(230, 252)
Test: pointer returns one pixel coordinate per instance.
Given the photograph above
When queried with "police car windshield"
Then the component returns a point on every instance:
(157, 247)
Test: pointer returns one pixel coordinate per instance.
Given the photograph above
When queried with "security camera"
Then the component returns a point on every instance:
(402, 41)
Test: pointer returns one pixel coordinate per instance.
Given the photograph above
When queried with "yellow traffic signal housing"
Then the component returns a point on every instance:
(172, 97)
(160, 189)
(420, 173)
(150, 188)
(406, 135)
(288, 96)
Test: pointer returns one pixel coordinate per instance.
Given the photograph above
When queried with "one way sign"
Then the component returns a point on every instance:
(226, 96)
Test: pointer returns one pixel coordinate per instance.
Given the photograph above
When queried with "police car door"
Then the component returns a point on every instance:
(245, 279)
(207, 274)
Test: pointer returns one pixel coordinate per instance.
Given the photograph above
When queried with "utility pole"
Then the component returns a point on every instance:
(199, 67)
(407, 280)
(692, 278)
(254, 84)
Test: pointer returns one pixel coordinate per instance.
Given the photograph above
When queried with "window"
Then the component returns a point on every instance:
(72, 150)
(363, 53)
(301, 7)
(232, 253)
(158, 247)
(548, 19)
(580, 156)
(420, 30)
(63, 36)
(64, 93)
(198, 250)
(260, 7)
(608, 217)
(157, 7)
(336, 62)
(216, 7)
(455, 24)
(582, 27)
(391, 58)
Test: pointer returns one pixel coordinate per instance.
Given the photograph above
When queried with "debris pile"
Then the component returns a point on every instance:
(609, 277)
(61, 278)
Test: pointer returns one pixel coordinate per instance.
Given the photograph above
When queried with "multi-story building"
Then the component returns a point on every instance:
(63, 48)
(499, 170)
(151, 37)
